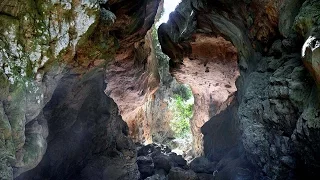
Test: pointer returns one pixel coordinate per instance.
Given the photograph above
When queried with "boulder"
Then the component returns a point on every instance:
(156, 177)
(202, 165)
(177, 160)
(146, 166)
(162, 161)
(181, 174)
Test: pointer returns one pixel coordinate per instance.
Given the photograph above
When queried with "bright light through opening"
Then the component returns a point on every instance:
(169, 6)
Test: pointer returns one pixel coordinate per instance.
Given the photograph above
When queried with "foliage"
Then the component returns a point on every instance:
(181, 116)
(179, 104)
(183, 91)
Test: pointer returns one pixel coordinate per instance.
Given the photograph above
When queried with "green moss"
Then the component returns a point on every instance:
(16, 111)
(33, 149)
(4, 87)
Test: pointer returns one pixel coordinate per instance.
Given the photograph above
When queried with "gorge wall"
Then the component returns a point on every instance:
(271, 130)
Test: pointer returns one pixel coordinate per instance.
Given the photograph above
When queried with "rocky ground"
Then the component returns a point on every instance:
(158, 162)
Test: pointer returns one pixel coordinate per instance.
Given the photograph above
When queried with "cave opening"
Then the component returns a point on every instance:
(155, 106)
(169, 105)
(176, 98)
(208, 72)
(211, 70)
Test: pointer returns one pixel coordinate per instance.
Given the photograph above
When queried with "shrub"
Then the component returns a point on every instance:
(182, 113)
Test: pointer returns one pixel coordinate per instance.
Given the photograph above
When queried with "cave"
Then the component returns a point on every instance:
(90, 90)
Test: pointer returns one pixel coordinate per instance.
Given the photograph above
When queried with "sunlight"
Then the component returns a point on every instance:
(169, 6)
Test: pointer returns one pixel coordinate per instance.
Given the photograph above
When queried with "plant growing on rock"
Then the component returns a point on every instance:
(182, 113)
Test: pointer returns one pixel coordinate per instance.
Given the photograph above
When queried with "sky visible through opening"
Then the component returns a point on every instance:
(169, 6)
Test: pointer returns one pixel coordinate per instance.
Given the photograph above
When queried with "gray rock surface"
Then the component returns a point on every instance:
(59, 123)
(87, 139)
(156, 177)
(146, 166)
(178, 173)
(202, 165)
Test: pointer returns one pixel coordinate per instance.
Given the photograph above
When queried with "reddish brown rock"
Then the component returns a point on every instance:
(211, 71)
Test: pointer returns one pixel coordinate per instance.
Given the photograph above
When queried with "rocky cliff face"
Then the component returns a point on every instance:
(277, 91)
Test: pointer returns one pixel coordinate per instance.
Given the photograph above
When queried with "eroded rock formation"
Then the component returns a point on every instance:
(60, 49)
(211, 70)
(87, 137)
(277, 96)
(134, 81)
(33, 35)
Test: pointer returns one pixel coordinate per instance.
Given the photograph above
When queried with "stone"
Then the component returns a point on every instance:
(107, 16)
(102, 1)
(220, 135)
(178, 174)
(153, 149)
(202, 165)
(276, 49)
(203, 176)
(156, 177)
(177, 160)
(57, 123)
(162, 161)
(146, 166)
(289, 10)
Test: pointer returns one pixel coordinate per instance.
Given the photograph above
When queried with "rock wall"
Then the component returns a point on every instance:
(277, 91)
(34, 37)
(133, 80)
(87, 137)
(211, 70)
(53, 48)
(140, 85)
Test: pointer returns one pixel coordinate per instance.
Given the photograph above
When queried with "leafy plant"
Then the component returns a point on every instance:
(182, 113)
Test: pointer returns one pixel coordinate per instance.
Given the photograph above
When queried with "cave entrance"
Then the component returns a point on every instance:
(156, 108)
(174, 100)
(211, 71)
(181, 104)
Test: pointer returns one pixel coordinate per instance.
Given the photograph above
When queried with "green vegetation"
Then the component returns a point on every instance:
(182, 113)
(181, 101)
